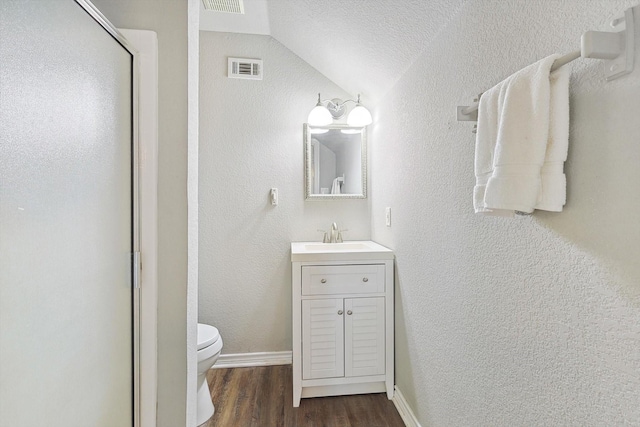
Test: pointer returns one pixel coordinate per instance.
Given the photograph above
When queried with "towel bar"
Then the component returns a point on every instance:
(616, 48)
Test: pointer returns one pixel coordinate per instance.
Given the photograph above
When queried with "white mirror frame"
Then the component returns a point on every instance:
(308, 185)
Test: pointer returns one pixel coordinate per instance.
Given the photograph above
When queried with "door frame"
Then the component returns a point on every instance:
(146, 42)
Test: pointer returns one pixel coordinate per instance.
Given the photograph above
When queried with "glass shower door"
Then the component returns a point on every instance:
(66, 219)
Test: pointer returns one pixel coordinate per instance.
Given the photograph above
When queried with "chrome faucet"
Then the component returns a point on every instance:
(334, 233)
(332, 236)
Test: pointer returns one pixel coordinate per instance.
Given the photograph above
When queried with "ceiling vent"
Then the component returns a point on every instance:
(241, 68)
(228, 6)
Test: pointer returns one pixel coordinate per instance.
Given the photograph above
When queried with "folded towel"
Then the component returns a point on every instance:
(489, 110)
(511, 143)
(553, 194)
(335, 188)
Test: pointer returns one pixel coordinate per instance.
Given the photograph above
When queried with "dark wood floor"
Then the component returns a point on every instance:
(262, 397)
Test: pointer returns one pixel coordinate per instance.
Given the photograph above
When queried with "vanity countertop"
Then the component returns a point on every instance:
(355, 250)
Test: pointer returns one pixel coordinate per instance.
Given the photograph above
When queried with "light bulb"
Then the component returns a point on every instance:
(351, 131)
(317, 131)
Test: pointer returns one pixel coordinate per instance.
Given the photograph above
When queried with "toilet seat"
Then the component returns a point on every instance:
(207, 335)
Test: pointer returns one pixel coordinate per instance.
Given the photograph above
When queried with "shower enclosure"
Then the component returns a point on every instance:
(68, 218)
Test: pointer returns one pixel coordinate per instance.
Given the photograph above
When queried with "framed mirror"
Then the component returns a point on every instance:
(335, 162)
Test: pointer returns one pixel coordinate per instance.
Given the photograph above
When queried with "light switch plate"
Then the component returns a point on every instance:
(387, 216)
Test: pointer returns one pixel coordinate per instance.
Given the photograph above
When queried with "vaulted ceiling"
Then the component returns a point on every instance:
(364, 46)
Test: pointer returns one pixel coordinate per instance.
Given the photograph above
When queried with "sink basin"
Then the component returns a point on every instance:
(319, 247)
(350, 250)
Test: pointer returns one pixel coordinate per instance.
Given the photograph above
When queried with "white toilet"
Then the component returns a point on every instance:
(209, 347)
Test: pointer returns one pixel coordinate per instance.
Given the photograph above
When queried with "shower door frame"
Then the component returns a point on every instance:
(135, 199)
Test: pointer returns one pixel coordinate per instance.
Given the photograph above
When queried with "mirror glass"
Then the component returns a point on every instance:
(335, 162)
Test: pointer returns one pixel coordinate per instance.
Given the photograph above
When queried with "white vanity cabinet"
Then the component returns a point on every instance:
(342, 319)
(343, 337)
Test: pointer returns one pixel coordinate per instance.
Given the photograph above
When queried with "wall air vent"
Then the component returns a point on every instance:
(228, 6)
(242, 68)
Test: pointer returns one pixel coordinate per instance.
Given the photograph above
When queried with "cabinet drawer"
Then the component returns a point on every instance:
(342, 279)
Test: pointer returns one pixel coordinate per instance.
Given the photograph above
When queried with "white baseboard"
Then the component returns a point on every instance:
(404, 409)
(243, 360)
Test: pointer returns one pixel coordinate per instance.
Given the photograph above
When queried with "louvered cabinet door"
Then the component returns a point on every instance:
(322, 338)
(364, 336)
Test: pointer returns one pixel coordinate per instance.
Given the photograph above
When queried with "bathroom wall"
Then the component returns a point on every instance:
(168, 19)
(327, 169)
(250, 141)
(525, 321)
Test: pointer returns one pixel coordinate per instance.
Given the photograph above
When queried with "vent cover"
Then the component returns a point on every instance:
(228, 6)
(241, 68)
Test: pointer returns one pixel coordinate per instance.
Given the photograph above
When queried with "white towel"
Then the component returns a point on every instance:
(335, 188)
(553, 194)
(514, 120)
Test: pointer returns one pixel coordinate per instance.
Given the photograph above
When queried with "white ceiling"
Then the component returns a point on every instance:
(254, 21)
(364, 46)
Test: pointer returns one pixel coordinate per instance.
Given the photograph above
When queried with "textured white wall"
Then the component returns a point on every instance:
(250, 141)
(525, 321)
(327, 166)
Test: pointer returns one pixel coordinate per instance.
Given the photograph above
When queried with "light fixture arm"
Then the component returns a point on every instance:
(336, 106)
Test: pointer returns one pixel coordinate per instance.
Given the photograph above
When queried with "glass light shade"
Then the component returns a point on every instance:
(359, 117)
(319, 116)
(317, 131)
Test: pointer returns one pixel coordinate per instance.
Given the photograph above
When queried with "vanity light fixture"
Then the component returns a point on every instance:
(359, 116)
(322, 115)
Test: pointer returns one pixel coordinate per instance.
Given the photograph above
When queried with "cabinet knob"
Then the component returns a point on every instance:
(339, 312)
(349, 312)
(365, 279)
(323, 281)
